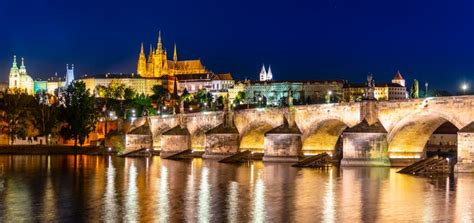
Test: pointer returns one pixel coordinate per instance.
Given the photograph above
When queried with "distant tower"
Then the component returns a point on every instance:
(69, 74)
(14, 79)
(149, 63)
(398, 79)
(175, 53)
(269, 74)
(141, 68)
(22, 67)
(263, 73)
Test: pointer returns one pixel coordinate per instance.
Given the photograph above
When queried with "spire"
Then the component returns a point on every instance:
(175, 53)
(22, 63)
(263, 73)
(159, 46)
(141, 66)
(14, 62)
(150, 54)
(142, 52)
(269, 74)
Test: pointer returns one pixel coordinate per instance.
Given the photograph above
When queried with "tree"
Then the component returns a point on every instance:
(240, 97)
(45, 115)
(140, 103)
(16, 106)
(201, 96)
(159, 94)
(79, 113)
(129, 93)
(414, 92)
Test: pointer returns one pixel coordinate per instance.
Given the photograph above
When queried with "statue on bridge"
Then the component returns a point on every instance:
(369, 93)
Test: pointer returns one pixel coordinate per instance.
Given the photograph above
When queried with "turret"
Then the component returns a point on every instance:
(263, 73)
(398, 79)
(141, 67)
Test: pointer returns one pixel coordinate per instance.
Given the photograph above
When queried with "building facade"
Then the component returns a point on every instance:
(139, 84)
(157, 64)
(19, 78)
(396, 90)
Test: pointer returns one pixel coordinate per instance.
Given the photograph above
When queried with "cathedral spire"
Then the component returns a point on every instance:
(269, 74)
(141, 67)
(263, 73)
(150, 54)
(142, 52)
(159, 46)
(175, 53)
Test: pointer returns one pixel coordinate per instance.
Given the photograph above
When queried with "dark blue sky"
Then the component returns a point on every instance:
(306, 39)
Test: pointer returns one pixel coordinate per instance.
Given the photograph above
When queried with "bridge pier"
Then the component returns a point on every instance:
(175, 140)
(221, 142)
(465, 162)
(365, 145)
(283, 144)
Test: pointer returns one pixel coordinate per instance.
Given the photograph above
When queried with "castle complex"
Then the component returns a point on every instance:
(158, 65)
(19, 80)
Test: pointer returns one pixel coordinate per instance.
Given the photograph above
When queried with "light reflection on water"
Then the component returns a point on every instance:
(111, 189)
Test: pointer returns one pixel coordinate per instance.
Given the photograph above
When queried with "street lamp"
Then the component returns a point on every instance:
(464, 87)
(329, 96)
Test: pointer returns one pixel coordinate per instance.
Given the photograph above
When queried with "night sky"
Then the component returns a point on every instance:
(302, 39)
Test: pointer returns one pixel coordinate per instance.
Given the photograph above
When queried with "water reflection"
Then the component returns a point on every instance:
(96, 188)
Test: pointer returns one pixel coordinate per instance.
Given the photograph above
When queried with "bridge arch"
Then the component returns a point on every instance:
(410, 135)
(198, 136)
(252, 136)
(323, 135)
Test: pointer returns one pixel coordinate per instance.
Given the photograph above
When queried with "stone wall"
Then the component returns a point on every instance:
(465, 152)
(221, 144)
(365, 149)
(282, 147)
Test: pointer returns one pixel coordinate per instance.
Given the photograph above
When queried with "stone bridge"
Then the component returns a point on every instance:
(408, 125)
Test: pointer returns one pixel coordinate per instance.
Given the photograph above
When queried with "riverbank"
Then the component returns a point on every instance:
(51, 149)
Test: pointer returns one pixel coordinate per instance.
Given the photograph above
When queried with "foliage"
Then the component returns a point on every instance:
(17, 107)
(140, 103)
(129, 93)
(45, 114)
(414, 91)
(240, 97)
(79, 113)
(160, 94)
(201, 96)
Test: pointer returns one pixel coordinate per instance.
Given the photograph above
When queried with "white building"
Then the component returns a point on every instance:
(19, 78)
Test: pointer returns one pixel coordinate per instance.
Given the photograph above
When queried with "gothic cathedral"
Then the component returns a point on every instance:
(158, 65)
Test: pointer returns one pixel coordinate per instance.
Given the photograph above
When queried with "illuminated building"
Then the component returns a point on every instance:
(19, 78)
(266, 75)
(395, 90)
(214, 83)
(158, 65)
(139, 84)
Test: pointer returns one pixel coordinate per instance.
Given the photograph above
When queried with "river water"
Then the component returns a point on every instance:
(105, 188)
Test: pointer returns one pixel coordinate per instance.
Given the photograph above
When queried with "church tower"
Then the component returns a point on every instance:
(141, 68)
(149, 63)
(14, 78)
(69, 74)
(398, 79)
(263, 73)
(269, 74)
